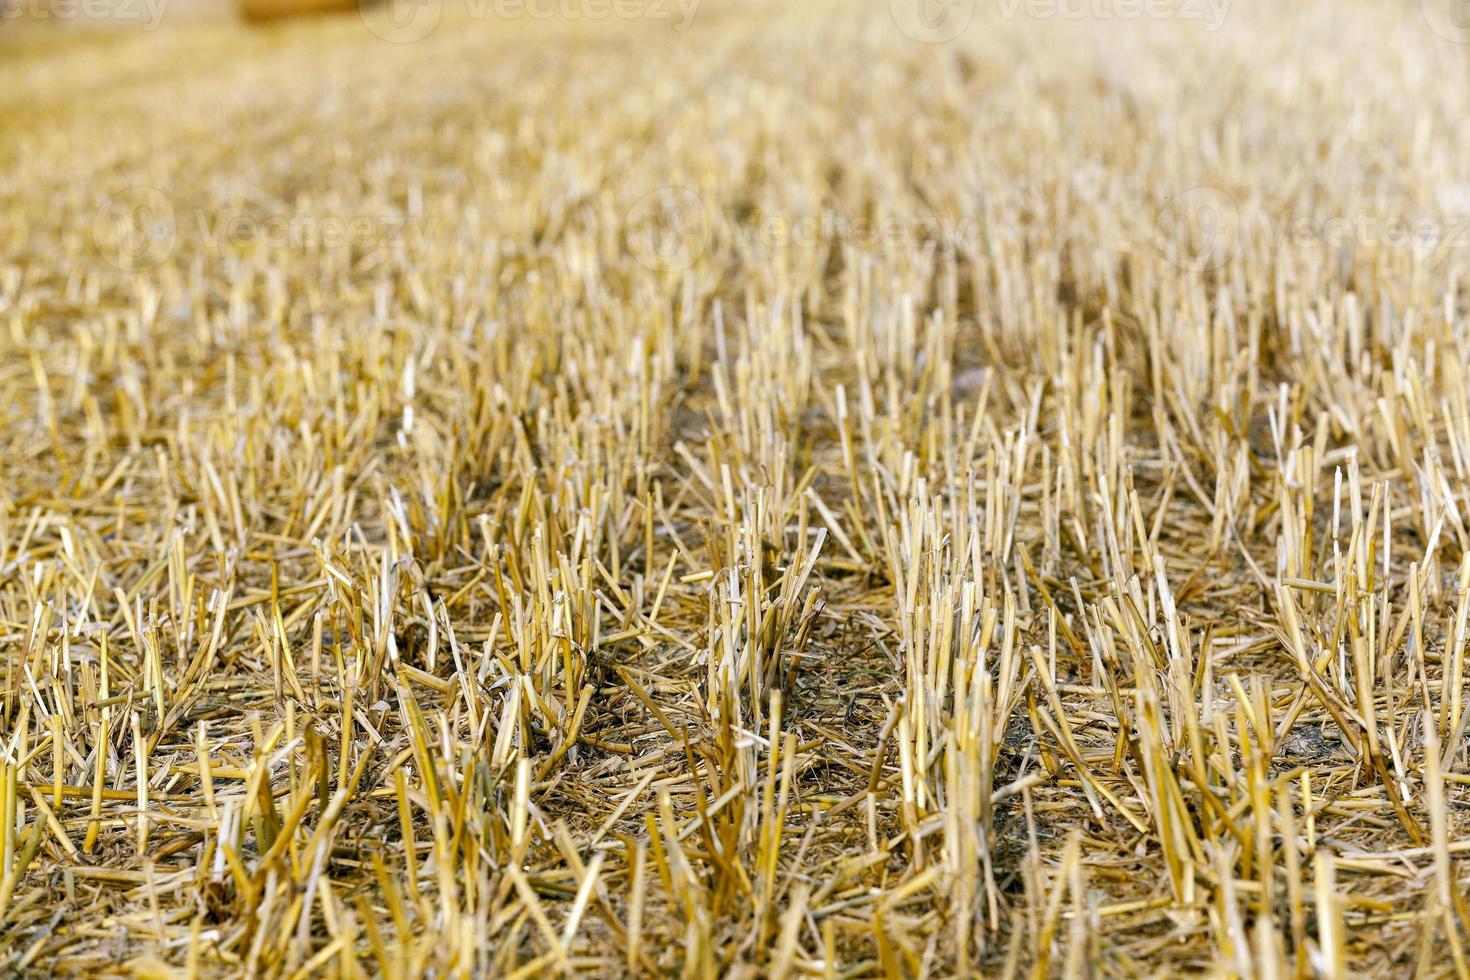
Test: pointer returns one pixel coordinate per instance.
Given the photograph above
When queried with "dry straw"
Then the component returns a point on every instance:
(1022, 590)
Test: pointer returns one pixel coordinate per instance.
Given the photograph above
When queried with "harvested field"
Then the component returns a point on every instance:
(827, 489)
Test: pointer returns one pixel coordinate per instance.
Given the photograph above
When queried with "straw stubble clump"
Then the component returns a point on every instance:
(778, 497)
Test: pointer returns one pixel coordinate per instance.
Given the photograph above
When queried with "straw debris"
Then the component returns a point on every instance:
(777, 498)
